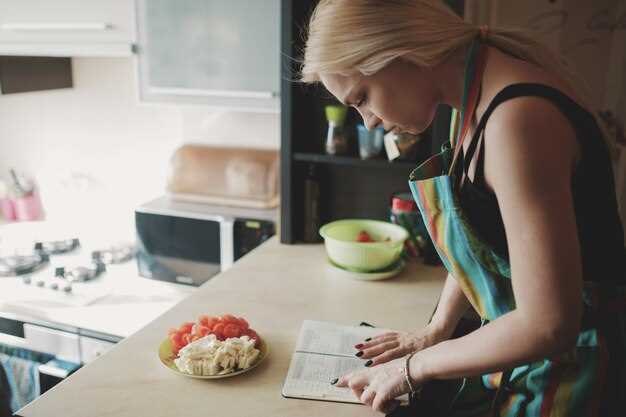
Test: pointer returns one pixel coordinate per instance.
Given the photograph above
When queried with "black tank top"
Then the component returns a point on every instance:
(600, 230)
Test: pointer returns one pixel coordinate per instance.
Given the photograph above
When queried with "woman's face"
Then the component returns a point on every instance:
(401, 97)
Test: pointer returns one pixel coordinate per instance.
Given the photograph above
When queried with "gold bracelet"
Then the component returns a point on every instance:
(407, 375)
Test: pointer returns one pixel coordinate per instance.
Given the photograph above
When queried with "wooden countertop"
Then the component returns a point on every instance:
(275, 287)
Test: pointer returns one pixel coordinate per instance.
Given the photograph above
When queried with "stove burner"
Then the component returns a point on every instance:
(15, 265)
(114, 254)
(56, 247)
(81, 273)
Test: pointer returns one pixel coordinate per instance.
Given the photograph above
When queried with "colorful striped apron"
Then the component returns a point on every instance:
(590, 379)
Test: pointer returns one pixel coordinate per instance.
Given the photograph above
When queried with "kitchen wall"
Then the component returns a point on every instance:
(591, 34)
(97, 151)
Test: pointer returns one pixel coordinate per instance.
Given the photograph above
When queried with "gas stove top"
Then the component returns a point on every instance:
(26, 262)
(38, 265)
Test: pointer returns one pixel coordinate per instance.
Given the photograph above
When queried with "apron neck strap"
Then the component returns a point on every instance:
(474, 68)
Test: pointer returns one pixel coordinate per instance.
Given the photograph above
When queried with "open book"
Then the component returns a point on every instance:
(325, 351)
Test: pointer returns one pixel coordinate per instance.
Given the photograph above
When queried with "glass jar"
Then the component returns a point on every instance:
(336, 138)
(404, 212)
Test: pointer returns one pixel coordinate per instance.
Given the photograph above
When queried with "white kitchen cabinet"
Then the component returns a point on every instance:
(92, 348)
(63, 345)
(222, 53)
(67, 27)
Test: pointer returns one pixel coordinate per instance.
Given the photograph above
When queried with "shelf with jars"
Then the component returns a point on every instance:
(331, 166)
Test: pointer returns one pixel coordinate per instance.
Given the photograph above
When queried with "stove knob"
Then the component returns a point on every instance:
(100, 268)
(40, 282)
(67, 287)
(54, 285)
(27, 279)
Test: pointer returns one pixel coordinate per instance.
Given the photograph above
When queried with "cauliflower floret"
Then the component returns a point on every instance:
(210, 356)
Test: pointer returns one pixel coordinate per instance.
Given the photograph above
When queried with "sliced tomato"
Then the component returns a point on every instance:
(218, 331)
(176, 338)
(232, 330)
(208, 321)
(186, 327)
(243, 323)
(252, 335)
(187, 338)
(229, 318)
(211, 322)
(203, 331)
(203, 319)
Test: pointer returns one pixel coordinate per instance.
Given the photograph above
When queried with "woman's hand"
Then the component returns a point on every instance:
(388, 346)
(379, 386)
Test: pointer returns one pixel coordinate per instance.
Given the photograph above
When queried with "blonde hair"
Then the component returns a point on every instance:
(366, 35)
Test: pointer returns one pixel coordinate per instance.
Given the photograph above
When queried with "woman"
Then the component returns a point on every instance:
(522, 211)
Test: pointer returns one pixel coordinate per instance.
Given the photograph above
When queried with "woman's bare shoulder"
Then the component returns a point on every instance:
(529, 127)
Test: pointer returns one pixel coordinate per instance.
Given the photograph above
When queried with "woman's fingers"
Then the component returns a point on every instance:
(354, 380)
(377, 339)
(385, 335)
(368, 396)
(343, 380)
(383, 405)
(380, 348)
(375, 342)
(388, 355)
(357, 383)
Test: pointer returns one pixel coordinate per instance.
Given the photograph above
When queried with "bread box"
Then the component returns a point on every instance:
(224, 175)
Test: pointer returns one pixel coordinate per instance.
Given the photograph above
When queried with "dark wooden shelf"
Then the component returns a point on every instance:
(347, 185)
(353, 161)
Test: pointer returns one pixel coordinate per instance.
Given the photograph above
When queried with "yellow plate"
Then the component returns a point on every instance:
(167, 357)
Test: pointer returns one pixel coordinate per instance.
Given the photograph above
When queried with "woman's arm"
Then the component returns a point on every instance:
(388, 346)
(451, 307)
(530, 151)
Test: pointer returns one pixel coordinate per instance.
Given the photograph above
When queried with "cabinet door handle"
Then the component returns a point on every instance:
(214, 93)
(68, 26)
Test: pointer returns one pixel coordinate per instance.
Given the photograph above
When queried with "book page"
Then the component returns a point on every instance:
(309, 376)
(325, 351)
(333, 339)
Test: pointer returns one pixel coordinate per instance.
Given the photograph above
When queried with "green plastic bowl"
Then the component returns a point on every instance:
(343, 249)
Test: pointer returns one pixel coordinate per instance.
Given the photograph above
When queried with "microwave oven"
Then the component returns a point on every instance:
(188, 243)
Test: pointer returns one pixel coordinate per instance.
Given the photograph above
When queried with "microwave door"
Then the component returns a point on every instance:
(179, 249)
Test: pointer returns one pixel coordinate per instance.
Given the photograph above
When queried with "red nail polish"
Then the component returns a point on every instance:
(359, 346)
